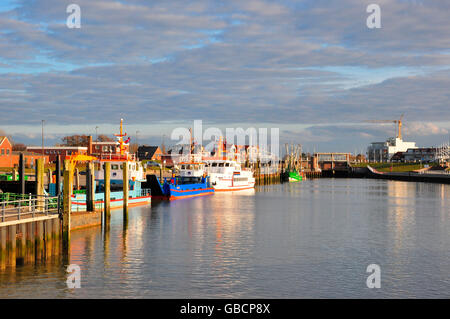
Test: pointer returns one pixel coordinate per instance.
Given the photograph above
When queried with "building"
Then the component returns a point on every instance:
(5, 152)
(384, 151)
(53, 151)
(9, 158)
(146, 152)
(424, 155)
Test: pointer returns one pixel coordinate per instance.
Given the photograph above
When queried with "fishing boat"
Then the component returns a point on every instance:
(293, 161)
(192, 181)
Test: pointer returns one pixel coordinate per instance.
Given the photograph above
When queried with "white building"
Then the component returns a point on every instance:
(383, 151)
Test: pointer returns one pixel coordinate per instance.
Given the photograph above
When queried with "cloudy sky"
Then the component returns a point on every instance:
(309, 67)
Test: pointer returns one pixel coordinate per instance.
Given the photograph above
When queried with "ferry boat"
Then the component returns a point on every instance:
(192, 181)
(137, 194)
(227, 175)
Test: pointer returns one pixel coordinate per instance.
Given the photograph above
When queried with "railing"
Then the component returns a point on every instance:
(33, 206)
(144, 192)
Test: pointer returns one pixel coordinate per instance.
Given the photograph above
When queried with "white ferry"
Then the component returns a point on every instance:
(227, 175)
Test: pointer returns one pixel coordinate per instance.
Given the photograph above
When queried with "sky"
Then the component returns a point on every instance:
(311, 68)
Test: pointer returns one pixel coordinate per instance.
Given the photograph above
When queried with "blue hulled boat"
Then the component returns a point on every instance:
(191, 182)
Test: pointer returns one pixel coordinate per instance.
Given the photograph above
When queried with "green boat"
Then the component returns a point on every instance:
(294, 176)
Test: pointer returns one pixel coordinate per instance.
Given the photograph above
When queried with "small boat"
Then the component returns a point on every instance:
(227, 175)
(192, 181)
(294, 176)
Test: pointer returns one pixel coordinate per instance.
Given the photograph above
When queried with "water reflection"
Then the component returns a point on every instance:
(309, 239)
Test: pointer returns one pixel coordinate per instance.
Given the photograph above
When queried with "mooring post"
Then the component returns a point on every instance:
(125, 190)
(67, 202)
(107, 193)
(90, 187)
(58, 176)
(49, 176)
(22, 173)
(77, 179)
(39, 173)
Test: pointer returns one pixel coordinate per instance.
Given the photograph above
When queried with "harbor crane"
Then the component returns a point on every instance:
(397, 122)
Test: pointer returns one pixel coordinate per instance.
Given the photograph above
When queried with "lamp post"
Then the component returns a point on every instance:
(43, 156)
(96, 134)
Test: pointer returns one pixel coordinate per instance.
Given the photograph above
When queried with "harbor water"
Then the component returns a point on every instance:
(312, 239)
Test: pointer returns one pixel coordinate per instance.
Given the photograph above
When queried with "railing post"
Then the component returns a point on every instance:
(18, 211)
(29, 202)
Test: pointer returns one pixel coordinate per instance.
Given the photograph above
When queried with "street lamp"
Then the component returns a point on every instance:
(96, 133)
(43, 157)
(137, 142)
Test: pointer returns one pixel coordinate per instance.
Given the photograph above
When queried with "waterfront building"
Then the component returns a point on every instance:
(10, 158)
(424, 154)
(384, 151)
(53, 151)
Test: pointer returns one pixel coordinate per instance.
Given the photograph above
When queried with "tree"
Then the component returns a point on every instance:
(75, 140)
(19, 147)
(104, 138)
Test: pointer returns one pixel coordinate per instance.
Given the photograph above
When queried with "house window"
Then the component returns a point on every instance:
(3, 151)
(7, 151)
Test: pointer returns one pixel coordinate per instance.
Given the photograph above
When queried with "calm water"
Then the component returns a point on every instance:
(310, 239)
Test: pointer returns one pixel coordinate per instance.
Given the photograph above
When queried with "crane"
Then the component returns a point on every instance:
(398, 122)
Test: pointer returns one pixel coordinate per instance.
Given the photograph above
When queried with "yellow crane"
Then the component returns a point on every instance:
(398, 122)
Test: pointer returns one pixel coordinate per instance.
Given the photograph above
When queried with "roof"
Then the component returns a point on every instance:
(2, 139)
(151, 150)
(57, 148)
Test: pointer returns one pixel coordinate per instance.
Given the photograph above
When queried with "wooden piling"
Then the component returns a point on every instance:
(12, 229)
(77, 179)
(125, 190)
(39, 172)
(2, 239)
(90, 187)
(58, 175)
(107, 192)
(22, 173)
(67, 203)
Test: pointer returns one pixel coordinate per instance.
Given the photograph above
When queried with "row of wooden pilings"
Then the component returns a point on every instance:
(90, 196)
(266, 174)
(45, 236)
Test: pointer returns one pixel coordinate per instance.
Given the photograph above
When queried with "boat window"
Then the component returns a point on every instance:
(183, 166)
(121, 166)
(196, 167)
(227, 164)
(214, 164)
(115, 167)
(221, 164)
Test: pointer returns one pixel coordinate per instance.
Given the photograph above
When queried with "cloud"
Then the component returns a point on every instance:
(284, 62)
(425, 129)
